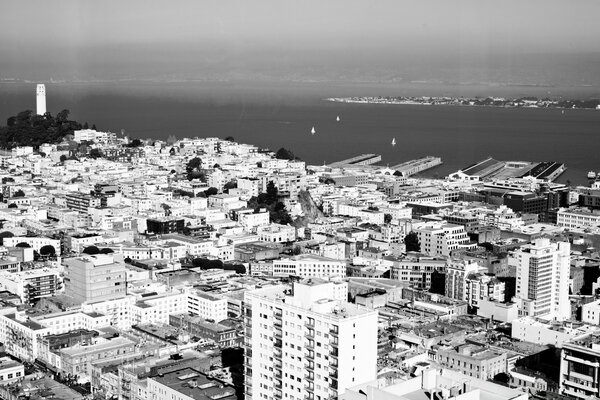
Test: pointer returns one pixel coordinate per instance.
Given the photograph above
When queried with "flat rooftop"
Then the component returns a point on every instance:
(196, 385)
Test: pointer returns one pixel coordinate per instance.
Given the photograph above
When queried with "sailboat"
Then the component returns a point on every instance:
(338, 118)
(393, 141)
(313, 130)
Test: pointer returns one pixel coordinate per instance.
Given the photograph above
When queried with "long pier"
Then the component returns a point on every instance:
(363, 159)
(412, 167)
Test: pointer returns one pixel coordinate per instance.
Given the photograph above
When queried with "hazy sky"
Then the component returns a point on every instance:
(102, 39)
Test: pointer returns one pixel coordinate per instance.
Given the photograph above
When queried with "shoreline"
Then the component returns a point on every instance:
(593, 105)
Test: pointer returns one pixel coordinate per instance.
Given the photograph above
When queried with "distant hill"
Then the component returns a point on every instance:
(29, 129)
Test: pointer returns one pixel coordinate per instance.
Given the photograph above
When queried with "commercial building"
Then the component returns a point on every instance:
(306, 342)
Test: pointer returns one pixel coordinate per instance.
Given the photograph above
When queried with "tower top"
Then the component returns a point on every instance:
(41, 89)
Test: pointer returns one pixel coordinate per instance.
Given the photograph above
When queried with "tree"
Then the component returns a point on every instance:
(94, 127)
(7, 179)
(91, 250)
(211, 191)
(13, 205)
(63, 158)
(23, 245)
(106, 250)
(48, 251)
(95, 153)
(127, 260)
(5, 234)
(63, 116)
(216, 166)
(192, 168)
(135, 143)
(284, 154)
(387, 218)
(412, 242)
(19, 193)
(86, 126)
(230, 139)
(232, 184)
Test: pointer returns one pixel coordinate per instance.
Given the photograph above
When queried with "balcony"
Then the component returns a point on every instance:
(277, 385)
(309, 377)
(311, 334)
(310, 324)
(277, 324)
(333, 374)
(277, 334)
(334, 332)
(334, 352)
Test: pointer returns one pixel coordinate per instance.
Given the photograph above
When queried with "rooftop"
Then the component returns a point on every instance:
(196, 385)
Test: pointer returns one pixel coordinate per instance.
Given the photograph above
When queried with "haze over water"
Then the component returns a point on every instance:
(277, 115)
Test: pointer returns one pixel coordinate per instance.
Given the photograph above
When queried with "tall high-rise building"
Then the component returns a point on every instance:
(543, 279)
(307, 342)
(40, 99)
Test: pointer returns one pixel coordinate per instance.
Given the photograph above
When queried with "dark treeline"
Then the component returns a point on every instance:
(29, 129)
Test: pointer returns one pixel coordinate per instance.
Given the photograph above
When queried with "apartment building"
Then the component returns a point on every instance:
(206, 305)
(442, 239)
(32, 285)
(306, 342)
(543, 279)
(95, 278)
(472, 360)
(309, 265)
(417, 269)
(580, 367)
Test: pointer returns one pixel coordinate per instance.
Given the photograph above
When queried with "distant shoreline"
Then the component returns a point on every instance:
(524, 102)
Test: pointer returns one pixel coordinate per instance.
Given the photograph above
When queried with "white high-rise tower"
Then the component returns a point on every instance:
(40, 99)
(543, 279)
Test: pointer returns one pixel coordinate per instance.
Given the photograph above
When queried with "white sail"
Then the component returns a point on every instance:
(393, 141)
(313, 130)
(338, 118)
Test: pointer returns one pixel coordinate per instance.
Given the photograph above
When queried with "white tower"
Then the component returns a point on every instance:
(543, 279)
(41, 99)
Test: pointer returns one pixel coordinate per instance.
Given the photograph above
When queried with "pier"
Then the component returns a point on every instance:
(363, 159)
(412, 167)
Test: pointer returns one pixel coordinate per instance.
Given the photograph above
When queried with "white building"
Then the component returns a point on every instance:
(309, 265)
(580, 367)
(543, 279)
(35, 242)
(441, 239)
(430, 383)
(276, 233)
(547, 332)
(306, 342)
(32, 285)
(206, 305)
(577, 218)
(10, 370)
(456, 278)
(590, 313)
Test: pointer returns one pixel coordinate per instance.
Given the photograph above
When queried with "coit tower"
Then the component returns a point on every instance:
(41, 99)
